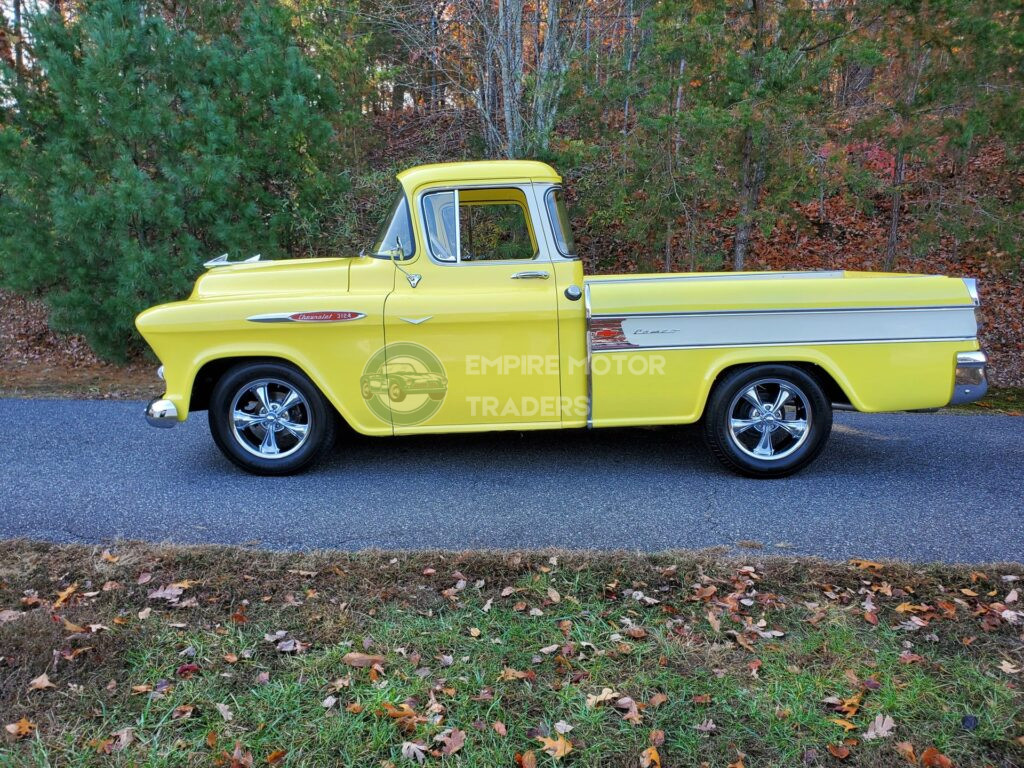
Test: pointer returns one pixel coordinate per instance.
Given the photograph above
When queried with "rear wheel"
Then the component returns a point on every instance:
(270, 419)
(767, 420)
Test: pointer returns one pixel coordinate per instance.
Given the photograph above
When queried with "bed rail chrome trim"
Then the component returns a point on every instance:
(793, 311)
(801, 275)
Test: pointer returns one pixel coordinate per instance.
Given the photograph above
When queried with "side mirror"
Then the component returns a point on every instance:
(397, 255)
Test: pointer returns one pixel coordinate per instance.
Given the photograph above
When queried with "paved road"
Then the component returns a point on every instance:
(920, 486)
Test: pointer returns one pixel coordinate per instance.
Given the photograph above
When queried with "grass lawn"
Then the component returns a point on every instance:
(167, 656)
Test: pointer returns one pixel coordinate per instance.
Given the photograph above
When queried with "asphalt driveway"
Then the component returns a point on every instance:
(946, 486)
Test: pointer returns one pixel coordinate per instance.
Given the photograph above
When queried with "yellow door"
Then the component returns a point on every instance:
(474, 344)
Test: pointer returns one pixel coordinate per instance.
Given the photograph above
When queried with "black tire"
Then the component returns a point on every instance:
(794, 449)
(234, 391)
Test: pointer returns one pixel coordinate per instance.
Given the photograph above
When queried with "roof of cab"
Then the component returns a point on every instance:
(477, 171)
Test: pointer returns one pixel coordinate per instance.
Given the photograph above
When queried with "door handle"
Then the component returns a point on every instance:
(531, 275)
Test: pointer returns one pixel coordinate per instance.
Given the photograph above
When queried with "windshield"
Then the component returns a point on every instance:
(396, 232)
(560, 222)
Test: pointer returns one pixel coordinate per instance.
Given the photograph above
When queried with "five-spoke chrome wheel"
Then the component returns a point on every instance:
(770, 419)
(270, 418)
(767, 420)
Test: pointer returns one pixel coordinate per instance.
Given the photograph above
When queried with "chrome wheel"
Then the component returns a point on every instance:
(270, 418)
(769, 419)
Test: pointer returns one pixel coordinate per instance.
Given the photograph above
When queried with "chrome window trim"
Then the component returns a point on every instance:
(526, 189)
(548, 192)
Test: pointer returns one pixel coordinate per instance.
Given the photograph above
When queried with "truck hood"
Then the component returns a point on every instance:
(273, 278)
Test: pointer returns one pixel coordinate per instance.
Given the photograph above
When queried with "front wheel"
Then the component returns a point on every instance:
(270, 419)
(767, 420)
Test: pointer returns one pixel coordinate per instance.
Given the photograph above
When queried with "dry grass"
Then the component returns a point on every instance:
(448, 624)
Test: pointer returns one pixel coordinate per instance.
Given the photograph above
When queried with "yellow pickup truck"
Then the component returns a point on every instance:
(472, 313)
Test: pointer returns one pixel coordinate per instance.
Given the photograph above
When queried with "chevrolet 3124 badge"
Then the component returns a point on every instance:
(472, 313)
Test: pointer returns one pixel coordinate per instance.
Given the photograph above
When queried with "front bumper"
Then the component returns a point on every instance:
(971, 382)
(162, 413)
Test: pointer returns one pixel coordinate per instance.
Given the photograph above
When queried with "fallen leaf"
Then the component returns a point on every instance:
(867, 565)
(21, 729)
(650, 758)
(553, 595)
(657, 700)
(499, 728)
(107, 557)
(910, 658)
(182, 712)
(879, 728)
(186, 671)
(276, 756)
(557, 748)
(528, 759)
(354, 708)
(241, 757)
(932, 758)
(453, 740)
(708, 726)
(906, 751)
(414, 750)
(562, 727)
(1009, 668)
(231, 658)
(64, 594)
(225, 712)
(657, 738)
(606, 694)
(846, 724)
(840, 752)
(356, 659)
(40, 683)
(701, 698)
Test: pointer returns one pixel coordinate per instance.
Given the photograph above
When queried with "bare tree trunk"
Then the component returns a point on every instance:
(510, 57)
(752, 176)
(669, 231)
(751, 160)
(678, 140)
(898, 169)
(17, 39)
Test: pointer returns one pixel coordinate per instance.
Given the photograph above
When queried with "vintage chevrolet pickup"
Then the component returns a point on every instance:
(472, 313)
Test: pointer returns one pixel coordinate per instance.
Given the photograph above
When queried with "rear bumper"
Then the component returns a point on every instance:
(161, 413)
(971, 382)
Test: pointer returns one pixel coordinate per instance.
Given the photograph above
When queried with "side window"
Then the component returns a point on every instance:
(491, 225)
(395, 235)
(555, 202)
(439, 220)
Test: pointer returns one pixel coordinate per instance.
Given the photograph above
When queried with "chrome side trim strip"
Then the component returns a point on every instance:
(590, 354)
(794, 311)
(311, 316)
(827, 342)
(780, 328)
(804, 275)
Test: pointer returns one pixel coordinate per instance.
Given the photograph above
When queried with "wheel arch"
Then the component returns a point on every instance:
(835, 391)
